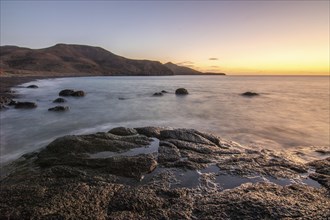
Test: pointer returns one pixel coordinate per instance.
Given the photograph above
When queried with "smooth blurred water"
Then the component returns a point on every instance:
(290, 112)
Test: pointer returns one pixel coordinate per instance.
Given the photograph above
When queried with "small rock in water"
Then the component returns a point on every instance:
(25, 105)
(158, 94)
(59, 108)
(59, 100)
(32, 86)
(66, 92)
(181, 91)
(249, 94)
(78, 93)
(164, 91)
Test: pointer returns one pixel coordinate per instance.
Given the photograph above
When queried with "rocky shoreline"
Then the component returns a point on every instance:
(161, 173)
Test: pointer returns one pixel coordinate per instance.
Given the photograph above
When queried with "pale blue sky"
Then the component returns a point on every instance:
(245, 36)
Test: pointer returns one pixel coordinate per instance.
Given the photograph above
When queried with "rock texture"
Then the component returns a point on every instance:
(72, 178)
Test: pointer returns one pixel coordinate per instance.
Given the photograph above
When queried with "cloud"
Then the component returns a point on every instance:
(213, 58)
(214, 66)
(185, 63)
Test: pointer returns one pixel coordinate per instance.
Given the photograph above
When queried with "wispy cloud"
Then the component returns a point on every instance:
(213, 58)
(184, 63)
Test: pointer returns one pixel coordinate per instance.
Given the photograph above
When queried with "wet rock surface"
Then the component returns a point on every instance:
(182, 179)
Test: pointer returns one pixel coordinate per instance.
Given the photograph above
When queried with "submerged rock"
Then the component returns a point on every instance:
(67, 180)
(158, 94)
(59, 108)
(32, 86)
(25, 105)
(181, 91)
(249, 94)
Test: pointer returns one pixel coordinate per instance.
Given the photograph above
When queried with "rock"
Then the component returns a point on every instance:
(322, 171)
(69, 180)
(26, 105)
(59, 108)
(158, 94)
(69, 92)
(249, 94)
(164, 91)
(32, 86)
(181, 91)
(122, 131)
(4, 101)
(59, 100)
(78, 93)
(150, 131)
(66, 92)
(12, 102)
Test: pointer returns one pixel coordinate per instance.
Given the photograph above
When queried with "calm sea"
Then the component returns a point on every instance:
(290, 113)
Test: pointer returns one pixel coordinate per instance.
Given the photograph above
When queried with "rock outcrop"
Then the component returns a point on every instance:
(114, 175)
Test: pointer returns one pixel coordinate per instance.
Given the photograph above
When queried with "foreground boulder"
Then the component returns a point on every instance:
(114, 175)
(25, 105)
(181, 91)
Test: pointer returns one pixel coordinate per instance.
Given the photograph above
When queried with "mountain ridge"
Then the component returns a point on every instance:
(75, 59)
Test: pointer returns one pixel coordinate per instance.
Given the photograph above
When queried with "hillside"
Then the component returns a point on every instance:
(181, 70)
(75, 60)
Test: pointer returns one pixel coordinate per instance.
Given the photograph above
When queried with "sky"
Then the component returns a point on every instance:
(235, 37)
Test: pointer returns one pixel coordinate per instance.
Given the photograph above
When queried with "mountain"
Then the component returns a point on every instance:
(68, 59)
(181, 70)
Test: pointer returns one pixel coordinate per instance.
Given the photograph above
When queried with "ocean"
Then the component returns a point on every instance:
(291, 114)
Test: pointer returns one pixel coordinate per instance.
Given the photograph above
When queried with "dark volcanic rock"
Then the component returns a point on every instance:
(25, 105)
(181, 91)
(78, 93)
(164, 91)
(122, 131)
(32, 86)
(249, 94)
(59, 108)
(59, 100)
(66, 92)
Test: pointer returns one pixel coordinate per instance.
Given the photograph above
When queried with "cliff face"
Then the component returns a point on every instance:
(75, 59)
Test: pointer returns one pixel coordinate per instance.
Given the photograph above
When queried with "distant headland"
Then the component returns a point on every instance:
(81, 60)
